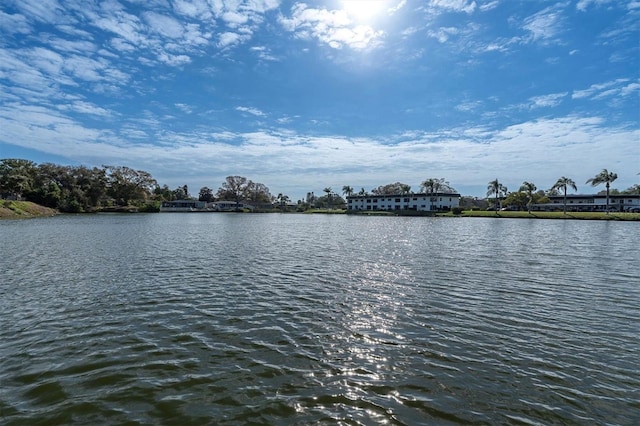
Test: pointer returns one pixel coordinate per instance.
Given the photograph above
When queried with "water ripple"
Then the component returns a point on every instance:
(295, 319)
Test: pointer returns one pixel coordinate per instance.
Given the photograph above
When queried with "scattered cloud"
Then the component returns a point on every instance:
(545, 26)
(464, 6)
(252, 111)
(546, 101)
(596, 91)
(583, 5)
(159, 85)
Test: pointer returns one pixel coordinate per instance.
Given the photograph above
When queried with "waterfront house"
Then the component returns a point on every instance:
(591, 203)
(228, 206)
(439, 201)
(182, 206)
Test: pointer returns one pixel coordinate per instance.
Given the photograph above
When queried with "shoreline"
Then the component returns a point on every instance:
(27, 210)
(10, 209)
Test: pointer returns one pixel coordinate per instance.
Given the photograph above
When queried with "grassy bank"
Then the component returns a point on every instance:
(23, 209)
(553, 215)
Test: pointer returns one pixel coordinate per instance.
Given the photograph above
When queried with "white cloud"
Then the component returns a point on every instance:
(43, 11)
(545, 25)
(14, 23)
(583, 5)
(443, 34)
(193, 8)
(252, 111)
(86, 108)
(229, 39)
(184, 108)
(551, 100)
(455, 5)
(630, 89)
(173, 60)
(596, 90)
(489, 6)
(165, 25)
(331, 27)
(538, 150)
(234, 19)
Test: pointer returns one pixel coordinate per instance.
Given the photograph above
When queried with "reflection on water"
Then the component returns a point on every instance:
(279, 319)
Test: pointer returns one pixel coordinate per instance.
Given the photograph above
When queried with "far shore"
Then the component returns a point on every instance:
(27, 209)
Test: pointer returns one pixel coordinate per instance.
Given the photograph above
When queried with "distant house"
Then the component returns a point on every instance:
(182, 206)
(228, 206)
(419, 202)
(591, 203)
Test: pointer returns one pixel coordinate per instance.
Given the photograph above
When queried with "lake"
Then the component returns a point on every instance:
(222, 318)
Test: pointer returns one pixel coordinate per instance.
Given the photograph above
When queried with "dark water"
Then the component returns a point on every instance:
(312, 319)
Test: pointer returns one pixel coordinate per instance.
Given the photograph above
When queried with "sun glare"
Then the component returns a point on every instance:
(363, 10)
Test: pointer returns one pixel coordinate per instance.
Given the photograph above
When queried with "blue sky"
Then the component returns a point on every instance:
(304, 95)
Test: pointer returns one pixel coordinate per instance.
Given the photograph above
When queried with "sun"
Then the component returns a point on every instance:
(363, 10)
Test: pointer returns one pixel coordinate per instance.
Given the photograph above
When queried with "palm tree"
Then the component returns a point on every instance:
(495, 187)
(282, 200)
(605, 177)
(431, 186)
(564, 183)
(347, 190)
(362, 192)
(328, 190)
(529, 188)
(404, 191)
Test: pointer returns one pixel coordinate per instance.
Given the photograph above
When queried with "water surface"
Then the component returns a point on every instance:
(318, 319)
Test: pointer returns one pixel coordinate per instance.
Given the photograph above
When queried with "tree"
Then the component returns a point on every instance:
(529, 188)
(16, 176)
(237, 188)
(282, 201)
(205, 194)
(179, 194)
(329, 191)
(392, 189)
(347, 190)
(163, 193)
(497, 189)
(633, 189)
(562, 184)
(434, 185)
(362, 192)
(518, 199)
(125, 184)
(258, 193)
(605, 177)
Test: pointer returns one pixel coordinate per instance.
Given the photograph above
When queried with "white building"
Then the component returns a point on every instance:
(592, 203)
(418, 202)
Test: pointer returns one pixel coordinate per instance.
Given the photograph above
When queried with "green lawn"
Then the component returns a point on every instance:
(22, 209)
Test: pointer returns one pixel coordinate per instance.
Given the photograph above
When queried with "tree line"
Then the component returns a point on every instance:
(529, 194)
(82, 189)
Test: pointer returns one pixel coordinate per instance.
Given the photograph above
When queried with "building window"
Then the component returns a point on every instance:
(397, 200)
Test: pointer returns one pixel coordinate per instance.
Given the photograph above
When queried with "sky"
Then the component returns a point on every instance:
(301, 96)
